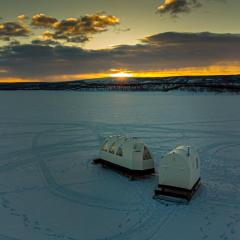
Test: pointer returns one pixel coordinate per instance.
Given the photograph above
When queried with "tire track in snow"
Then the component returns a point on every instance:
(5, 237)
(145, 229)
(66, 193)
(69, 195)
(29, 156)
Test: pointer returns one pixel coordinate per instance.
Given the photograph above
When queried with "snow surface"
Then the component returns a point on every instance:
(50, 190)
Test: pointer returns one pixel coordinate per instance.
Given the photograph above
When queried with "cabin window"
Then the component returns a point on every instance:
(146, 154)
(112, 149)
(105, 147)
(120, 151)
(197, 163)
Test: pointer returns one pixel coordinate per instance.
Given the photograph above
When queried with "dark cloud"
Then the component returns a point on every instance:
(44, 42)
(38, 61)
(46, 39)
(176, 7)
(12, 29)
(163, 51)
(78, 39)
(14, 42)
(169, 38)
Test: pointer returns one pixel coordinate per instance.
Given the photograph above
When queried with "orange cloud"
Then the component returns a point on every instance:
(175, 7)
(75, 29)
(16, 80)
(69, 77)
(22, 18)
(41, 20)
(192, 71)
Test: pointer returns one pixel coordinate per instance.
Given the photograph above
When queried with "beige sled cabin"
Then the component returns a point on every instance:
(128, 155)
(179, 173)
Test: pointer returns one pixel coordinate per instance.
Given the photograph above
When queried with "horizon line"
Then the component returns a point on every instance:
(119, 78)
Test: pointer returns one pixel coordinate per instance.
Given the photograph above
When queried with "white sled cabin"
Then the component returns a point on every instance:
(128, 155)
(179, 173)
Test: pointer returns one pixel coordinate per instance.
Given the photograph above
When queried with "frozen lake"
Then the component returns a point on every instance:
(50, 190)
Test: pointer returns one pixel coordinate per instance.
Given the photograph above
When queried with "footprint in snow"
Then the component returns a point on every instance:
(37, 228)
(222, 236)
(70, 238)
(48, 229)
(229, 224)
(15, 214)
(205, 237)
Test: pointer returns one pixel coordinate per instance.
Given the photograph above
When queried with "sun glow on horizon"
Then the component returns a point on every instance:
(121, 75)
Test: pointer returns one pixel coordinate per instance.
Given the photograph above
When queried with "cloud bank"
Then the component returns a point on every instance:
(74, 30)
(161, 52)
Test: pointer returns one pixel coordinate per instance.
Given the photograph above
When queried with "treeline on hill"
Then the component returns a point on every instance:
(196, 84)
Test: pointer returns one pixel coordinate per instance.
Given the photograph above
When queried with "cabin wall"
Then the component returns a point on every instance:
(174, 171)
(148, 164)
(132, 155)
(195, 169)
(125, 160)
(137, 162)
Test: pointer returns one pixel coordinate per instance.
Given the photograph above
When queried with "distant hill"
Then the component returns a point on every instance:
(195, 83)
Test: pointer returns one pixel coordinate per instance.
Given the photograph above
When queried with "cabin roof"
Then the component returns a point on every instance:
(184, 151)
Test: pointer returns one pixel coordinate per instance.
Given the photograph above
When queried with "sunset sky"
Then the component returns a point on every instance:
(60, 40)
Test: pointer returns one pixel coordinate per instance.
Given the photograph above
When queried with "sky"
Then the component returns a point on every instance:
(61, 40)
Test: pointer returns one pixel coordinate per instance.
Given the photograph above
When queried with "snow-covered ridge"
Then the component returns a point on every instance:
(194, 83)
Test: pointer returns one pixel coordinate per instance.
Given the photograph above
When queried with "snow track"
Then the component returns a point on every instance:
(60, 190)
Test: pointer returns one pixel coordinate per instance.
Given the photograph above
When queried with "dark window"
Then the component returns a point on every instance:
(146, 154)
(197, 163)
(120, 151)
(112, 149)
(105, 147)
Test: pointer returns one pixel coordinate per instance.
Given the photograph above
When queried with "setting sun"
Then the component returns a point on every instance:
(121, 75)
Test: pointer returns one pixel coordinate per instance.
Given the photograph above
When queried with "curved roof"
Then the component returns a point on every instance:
(184, 151)
(117, 140)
